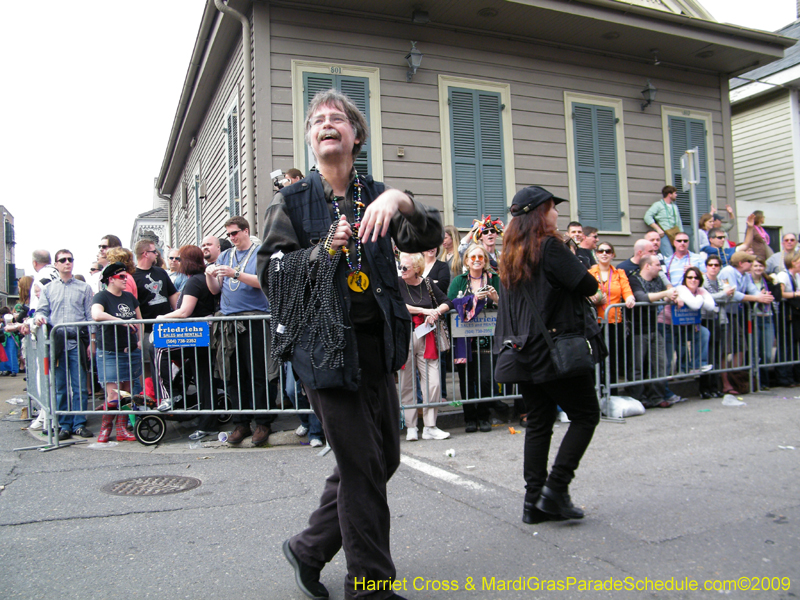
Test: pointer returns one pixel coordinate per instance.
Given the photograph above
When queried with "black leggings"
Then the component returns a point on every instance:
(578, 398)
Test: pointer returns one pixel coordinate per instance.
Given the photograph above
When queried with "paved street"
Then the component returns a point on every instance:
(698, 491)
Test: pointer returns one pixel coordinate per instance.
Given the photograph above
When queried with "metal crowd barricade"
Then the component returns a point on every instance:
(183, 369)
(466, 371)
(647, 349)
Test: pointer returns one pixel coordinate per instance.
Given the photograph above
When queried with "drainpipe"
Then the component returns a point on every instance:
(249, 164)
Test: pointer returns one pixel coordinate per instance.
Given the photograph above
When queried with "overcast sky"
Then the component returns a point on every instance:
(89, 95)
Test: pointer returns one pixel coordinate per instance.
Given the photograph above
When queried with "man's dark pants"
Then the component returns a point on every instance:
(363, 429)
(250, 356)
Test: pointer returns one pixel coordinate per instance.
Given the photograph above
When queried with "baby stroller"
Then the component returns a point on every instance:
(150, 429)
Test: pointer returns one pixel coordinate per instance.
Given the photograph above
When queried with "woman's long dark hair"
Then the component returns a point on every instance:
(522, 245)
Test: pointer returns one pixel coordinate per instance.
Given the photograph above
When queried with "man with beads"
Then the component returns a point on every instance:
(241, 355)
(333, 210)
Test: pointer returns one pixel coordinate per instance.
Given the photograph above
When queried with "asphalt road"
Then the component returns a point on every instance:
(699, 491)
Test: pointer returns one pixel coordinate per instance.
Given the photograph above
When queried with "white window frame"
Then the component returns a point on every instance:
(504, 89)
(198, 209)
(233, 103)
(676, 111)
(372, 74)
(622, 167)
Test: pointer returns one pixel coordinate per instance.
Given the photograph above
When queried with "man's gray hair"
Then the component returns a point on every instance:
(347, 106)
(41, 256)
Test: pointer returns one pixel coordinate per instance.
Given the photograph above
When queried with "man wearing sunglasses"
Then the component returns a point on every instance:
(718, 246)
(681, 260)
(68, 300)
(173, 263)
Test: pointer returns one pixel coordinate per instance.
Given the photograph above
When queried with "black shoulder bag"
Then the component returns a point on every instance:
(571, 353)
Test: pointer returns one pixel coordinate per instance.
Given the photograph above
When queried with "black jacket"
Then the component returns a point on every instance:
(559, 290)
(299, 217)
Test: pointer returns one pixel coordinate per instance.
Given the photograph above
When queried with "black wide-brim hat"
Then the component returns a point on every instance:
(111, 270)
(529, 198)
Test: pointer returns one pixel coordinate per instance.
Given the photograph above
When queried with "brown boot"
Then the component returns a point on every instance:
(261, 436)
(239, 433)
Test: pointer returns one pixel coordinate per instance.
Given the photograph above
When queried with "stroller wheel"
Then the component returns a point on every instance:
(149, 429)
(220, 403)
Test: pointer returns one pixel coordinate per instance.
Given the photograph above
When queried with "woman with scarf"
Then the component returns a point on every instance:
(537, 266)
(427, 304)
(471, 292)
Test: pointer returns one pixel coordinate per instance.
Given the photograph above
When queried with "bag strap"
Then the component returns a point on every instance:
(430, 291)
(538, 318)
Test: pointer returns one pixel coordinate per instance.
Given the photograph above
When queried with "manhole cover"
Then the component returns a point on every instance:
(151, 486)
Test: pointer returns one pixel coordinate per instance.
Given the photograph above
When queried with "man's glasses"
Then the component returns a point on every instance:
(102, 246)
(715, 265)
(151, 251)
(178, 258)
(790, 241)
(234, 233)
(93, 270)
(720, 237)
(681, 241)
(605, 251)
(66, 259)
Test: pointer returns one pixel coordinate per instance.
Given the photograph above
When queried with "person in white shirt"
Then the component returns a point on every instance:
(693, 296)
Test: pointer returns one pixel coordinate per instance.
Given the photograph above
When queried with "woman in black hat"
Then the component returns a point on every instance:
(541, 274)
(119, 358)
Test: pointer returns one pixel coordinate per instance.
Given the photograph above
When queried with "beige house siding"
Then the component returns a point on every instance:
(210, 152)
(764, 163)
(538, 77)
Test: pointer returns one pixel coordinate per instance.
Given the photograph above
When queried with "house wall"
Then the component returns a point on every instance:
(764, 158)
(210, 153)
(538, 77)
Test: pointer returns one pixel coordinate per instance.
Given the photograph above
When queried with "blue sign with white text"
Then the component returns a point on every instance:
(181, 335)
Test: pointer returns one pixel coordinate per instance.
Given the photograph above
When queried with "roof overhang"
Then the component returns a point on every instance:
(605, 27)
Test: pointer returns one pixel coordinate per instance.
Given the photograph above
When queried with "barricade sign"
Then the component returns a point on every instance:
(482, 324)
(685, 316)
(181, 335)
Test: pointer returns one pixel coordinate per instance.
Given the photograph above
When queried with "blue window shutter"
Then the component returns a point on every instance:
(685, 134)
(357, 89)
(477, 155)
(597, 169)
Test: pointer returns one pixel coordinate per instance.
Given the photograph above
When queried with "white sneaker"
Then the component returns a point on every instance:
(301, 431)
(563, 418)
(433, 433)
(315, 443)
(412, 435)
(38, 422)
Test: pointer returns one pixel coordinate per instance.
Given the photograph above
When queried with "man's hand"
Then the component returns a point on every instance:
(379, 214)
(764, 297)
(730, 290)
(671, 294)
(40, 320)
(342, 234)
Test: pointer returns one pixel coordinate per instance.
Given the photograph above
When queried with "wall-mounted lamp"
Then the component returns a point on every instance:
(201, 188)
(414, 60)
(649, 94)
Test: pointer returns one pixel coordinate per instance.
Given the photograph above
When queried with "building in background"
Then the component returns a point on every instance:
(501, 95)
(9, 292)
(153, 225)
(765, 106)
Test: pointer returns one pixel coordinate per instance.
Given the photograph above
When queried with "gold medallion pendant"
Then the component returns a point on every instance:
(358, 282)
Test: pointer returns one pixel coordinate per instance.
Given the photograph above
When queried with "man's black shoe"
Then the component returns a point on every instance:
(83, 432)
(63, 434)
(558, 503)
(471, 427)
(307, 577)
(484, 426)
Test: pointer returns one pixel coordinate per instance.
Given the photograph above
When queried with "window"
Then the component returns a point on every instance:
(596, 164)
(477, 149)
(198, 214)
(685, 134)
(231, 129)
(362, 86)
